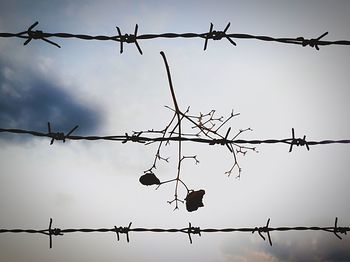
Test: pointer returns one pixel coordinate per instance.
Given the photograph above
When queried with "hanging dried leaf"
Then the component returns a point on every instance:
(194, 200)
(149, 179)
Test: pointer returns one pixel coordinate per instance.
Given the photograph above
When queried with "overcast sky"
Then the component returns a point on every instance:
(274, 87)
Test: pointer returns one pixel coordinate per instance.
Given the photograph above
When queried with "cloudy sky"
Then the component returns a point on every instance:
(274, 87)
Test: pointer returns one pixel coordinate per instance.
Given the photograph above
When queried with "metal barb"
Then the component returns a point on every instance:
(123, 230)
(53, 232)
(313, 42)
(264, 229)
(134, 138)
(341, 230)
(298, 142)
(38, 34)
(59, 135)
(129, 38)
(193, 230)
(217, 35)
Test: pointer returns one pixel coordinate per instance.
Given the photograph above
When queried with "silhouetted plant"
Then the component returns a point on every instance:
(205, 125)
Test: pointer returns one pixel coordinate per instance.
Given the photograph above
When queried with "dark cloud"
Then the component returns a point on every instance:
(29, 100)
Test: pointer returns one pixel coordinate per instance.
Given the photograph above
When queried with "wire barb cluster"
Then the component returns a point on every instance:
(59, 135)
(29, 35)
(190, 230)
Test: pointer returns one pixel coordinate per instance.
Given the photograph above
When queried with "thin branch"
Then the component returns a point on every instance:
(177, 112)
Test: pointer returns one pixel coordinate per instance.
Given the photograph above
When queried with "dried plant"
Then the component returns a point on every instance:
(203, 125)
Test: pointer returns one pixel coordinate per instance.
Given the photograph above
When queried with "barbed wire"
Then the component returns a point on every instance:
(150, 179)
(138, 138)
(190, 230)
(31, 34)
(141, 137)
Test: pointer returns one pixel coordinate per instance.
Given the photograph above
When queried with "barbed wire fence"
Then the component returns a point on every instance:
(190, 230)
(30, 34)
(208, 131)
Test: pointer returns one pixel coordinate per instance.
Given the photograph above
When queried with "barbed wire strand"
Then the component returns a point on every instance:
(138, 138)
(31, 34)
(190, 230)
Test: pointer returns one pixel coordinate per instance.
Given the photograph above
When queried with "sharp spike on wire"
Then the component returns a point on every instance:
(189, 232)
(207, 36)
(32, 26)
(27, 41)
(227, 27)
(136, 28)
(51, 42)
(136, 43)
(268, 231)
(121, 40)
(50, 233)
(292, 141)
(323, 35)
(127, 232)
(70, 132)
(231, 41)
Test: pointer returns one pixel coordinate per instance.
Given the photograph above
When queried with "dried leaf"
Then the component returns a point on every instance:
(149, 179)
(194, 200)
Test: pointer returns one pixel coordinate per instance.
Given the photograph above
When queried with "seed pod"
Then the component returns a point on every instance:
(194, 200)
(149, 179)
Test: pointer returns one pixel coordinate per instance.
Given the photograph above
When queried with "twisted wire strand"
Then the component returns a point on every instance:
(31, 34)
(190, 230)
(144, 139)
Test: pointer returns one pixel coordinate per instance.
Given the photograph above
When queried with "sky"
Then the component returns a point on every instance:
(83, 184)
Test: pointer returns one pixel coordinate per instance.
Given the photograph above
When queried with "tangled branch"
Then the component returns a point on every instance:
(205, 125)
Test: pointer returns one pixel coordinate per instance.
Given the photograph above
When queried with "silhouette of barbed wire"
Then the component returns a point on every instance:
(31, 34)
(190, 230)
(138, 137)
(144, 139)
